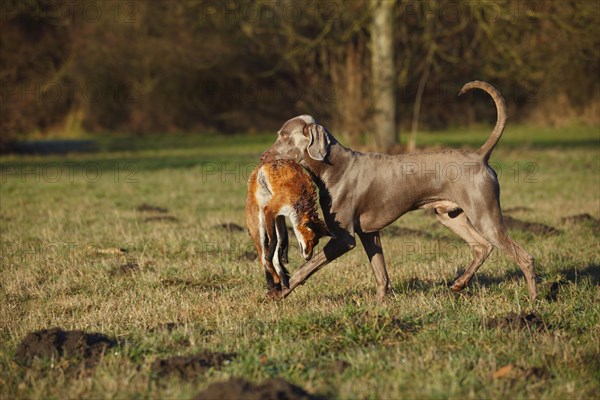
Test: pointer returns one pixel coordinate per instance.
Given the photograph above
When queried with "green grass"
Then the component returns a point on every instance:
(422, 342)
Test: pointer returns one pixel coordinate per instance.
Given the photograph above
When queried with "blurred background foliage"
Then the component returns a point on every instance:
(146, 67)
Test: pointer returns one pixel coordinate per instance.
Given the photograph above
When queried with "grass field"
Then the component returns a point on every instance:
(79, 253)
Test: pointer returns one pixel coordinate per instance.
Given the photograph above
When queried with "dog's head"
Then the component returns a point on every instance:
(298, 138)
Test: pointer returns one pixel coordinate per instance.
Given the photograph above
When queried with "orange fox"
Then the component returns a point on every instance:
(275, 190)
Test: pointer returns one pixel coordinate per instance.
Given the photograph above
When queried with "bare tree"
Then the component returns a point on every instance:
(383, 74)
(191, 66)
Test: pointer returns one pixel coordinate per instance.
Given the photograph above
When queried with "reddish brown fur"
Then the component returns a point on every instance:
(291, 191)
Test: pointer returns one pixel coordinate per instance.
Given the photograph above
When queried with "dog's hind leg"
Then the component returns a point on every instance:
(488, 221)
(457, 222)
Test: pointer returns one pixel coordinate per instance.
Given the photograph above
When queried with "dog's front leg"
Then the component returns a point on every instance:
(332, 250)
(372, 244)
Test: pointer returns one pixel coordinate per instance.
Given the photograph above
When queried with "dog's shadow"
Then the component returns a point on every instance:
(575, 275)
(482, 279)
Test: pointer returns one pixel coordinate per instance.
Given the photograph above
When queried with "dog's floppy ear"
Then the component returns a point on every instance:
(318, 145)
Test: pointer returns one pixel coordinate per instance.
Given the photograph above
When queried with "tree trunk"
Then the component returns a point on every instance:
(412, 140)
(353, 103)
(383, 74)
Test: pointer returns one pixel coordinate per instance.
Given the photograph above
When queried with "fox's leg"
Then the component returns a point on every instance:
(282, 235)
(265, 235)
(274, 246)
(281, 250)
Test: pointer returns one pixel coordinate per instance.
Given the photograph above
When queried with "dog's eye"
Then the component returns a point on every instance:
(284, 135)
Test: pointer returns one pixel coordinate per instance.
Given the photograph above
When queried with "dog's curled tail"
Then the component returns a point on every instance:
(485, 150)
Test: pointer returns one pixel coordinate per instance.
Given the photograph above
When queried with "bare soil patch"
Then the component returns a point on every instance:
(272, 389)
(81, 348)
(189, 367)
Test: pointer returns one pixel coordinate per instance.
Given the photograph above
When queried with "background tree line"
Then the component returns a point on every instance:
(169, 66)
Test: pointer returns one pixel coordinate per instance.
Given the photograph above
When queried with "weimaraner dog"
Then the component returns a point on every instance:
(362, 193)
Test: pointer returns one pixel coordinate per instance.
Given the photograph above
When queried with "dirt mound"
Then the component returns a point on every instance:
(248, 255)
(579, 218)
(147, 208)
(189, 367)
(532, 227)
(272, 389)
(230, 226)
(208, 283)
(185, 283)
(125, 269)
(150, 208)
(167, 326)
(398, 231)
(583, 219)
(167, 218)
(530, 321)
(382, 323)
(339, 366)
(517, 209)
(81, 348)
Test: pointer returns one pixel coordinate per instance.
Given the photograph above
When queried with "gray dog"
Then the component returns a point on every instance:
(362, 193)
